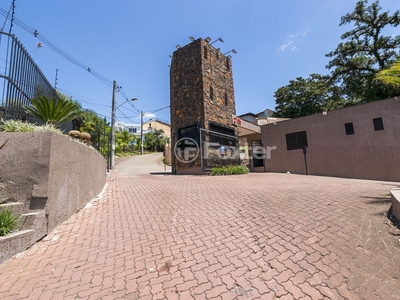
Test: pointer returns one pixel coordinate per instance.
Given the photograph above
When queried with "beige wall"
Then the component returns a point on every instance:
(248, 139)
(52, 172)
(158, 125)
(367, 154)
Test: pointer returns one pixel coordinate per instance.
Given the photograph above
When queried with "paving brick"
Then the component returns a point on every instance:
(310, 291)
(284, 276)
(216, 291)
(293, 290)
(277, 288)
(202, 288)
(300, 277)
(254, 241)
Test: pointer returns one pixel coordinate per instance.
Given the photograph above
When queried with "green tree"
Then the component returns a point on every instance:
(93, 123)
(305, 96)
(125, 141)
(155, 140)
(53, 112)
(364, 52)
(390, 76)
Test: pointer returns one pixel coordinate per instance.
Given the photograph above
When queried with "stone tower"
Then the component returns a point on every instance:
(202, 97)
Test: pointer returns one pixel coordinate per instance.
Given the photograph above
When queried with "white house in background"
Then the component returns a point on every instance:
(132, 128)
(266, 116)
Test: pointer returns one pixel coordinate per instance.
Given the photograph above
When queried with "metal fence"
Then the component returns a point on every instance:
(22, 79)
(101, 141)
(218, 149)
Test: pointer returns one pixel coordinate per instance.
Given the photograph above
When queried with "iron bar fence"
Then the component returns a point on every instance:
(22, 79)
(101, 141)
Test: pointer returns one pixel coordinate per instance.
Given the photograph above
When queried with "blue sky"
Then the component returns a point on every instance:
(130, 41)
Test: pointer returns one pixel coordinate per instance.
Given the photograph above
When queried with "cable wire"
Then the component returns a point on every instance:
(56, 49)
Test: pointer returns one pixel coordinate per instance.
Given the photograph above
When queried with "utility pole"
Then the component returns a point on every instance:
(112, 152)
(141, 132)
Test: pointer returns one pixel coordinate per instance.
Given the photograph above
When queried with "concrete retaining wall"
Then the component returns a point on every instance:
(395, 193)
(50, 173)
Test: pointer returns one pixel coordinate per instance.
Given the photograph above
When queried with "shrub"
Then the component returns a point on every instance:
(8, 221)
(20, 126)
(74, 134)
(229, 170)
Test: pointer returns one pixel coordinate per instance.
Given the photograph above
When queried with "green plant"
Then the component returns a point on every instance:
(20, 126)
(53, 111)
(229, 170)
(8, 221)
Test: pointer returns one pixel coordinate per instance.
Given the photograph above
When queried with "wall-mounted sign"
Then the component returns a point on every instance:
(236, 120)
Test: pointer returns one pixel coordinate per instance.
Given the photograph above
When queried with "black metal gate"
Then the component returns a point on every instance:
(101, 141)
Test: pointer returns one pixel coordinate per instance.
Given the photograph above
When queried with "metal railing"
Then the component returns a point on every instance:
(23, 80)
(101, 141)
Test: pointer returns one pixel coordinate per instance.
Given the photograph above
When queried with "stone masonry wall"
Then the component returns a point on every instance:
(201, 90)
(186, 92)
(217, 75)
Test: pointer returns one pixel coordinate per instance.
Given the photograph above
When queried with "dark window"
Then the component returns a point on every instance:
(228, 63)
(211, 93)
(190, 132)
(222, 139)
(258, 154)
(205, 52)
(226, 99)
(378, 124)
(349, 128)
(217, 55)
(296, 140)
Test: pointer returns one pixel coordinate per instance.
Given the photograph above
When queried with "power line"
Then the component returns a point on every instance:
(160, 109)
(52, 46)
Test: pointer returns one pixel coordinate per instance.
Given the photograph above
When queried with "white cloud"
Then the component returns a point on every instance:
(149, 115)
(292, 41)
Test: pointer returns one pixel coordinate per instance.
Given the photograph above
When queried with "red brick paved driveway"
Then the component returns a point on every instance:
(256, 236)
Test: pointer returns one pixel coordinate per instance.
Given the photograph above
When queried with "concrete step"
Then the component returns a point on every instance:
(16, 207)
(14, 243)
(34, 220)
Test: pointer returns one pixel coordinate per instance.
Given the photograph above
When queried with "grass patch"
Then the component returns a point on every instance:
(8, 221)
(229, 170)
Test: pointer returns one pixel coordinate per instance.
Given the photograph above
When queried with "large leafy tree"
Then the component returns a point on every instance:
(364, 52)
(305, 96)
(53, 111)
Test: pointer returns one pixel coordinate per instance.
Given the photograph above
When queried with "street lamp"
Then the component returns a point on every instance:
(113, 110)
(141, 132)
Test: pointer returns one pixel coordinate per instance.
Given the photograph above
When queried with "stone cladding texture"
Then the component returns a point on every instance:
(201, 90)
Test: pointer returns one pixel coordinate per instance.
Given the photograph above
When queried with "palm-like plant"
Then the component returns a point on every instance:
(52, 112)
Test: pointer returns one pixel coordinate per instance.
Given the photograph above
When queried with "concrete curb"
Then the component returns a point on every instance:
(395, 193)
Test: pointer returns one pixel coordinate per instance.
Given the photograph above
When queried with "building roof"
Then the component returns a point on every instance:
(155, 120)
